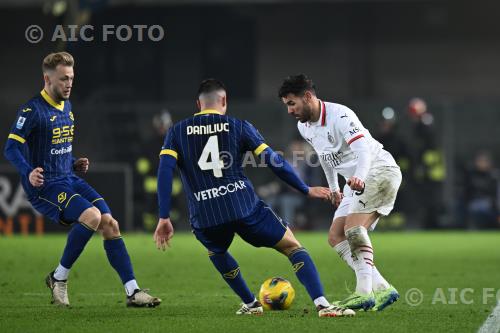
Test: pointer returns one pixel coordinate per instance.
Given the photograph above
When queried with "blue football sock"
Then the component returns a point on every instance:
(118, 258)
(306, 272)
(230, 271)
(78, 237)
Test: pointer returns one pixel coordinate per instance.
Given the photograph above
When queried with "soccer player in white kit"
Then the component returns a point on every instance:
(372, 176)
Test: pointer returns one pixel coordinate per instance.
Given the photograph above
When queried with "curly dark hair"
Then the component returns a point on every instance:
(296, 85)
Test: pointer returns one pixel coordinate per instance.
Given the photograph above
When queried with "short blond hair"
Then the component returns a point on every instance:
(51, 61)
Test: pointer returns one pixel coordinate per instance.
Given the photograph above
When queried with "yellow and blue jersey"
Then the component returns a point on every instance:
(209, 148)
(45, 129)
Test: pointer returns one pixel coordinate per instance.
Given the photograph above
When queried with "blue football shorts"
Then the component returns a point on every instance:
(65, 200)
(263, 228)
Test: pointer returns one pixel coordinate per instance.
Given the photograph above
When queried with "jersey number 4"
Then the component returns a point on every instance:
(210, 159)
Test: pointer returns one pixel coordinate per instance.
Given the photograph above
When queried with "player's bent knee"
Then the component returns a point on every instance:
(288, 245)
(336, 233)
(334, 239)
(336, 236)
(91, 217)
(109, 226)
(108, 222)
(358, 237)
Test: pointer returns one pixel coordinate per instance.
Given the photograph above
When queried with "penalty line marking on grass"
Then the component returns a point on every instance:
(492, 323)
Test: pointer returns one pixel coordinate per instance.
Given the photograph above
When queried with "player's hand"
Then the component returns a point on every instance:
(356, 184)
(36, 177)
(81, 165)
(336, 197)
(163, 233)
(318, 192)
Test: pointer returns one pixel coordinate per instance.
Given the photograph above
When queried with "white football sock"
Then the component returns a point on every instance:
(321, 301)
(130, 287)
(344, 252)
(61, 273)
(378, 281)
(362, 255)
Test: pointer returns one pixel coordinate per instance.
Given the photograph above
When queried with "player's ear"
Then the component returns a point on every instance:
(46, 78)
(224, 101)
(198, 105)
(307, 96)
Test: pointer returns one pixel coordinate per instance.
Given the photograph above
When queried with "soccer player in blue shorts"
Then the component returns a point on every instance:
(40, 147)
(208, 149)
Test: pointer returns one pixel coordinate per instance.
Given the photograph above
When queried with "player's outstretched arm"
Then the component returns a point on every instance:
(319, 192)
(336, 197)
(277, 164)
(283, 170)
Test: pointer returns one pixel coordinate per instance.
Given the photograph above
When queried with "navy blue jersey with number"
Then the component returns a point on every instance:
(46, 130)
(209, 148)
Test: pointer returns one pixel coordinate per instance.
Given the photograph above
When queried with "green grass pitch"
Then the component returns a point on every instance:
(196, 299)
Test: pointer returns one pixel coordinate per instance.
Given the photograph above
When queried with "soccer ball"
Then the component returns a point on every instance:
(276, 294)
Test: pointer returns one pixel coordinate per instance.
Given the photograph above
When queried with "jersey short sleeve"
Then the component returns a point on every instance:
(26, 121)
(169, 146)
(251, 138)
(349, 126)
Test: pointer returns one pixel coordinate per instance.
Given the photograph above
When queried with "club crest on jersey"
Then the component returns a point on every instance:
(20, 122)
(331, 139)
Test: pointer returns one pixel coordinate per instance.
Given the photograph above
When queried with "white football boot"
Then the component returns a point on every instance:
(59, 290)
(334, 311)
(140, 298)
(255, 309)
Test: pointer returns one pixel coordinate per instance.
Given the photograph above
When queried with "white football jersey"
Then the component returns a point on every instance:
(337, 127)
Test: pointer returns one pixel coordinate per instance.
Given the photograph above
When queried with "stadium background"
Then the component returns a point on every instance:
(372, 56)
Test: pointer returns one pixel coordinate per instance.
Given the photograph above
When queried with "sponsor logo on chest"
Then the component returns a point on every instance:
(333, 159)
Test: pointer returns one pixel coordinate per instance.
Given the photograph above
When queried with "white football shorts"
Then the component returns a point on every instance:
(381, 188)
